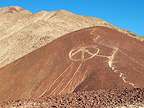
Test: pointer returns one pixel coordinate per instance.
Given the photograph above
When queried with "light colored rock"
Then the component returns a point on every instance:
(22, 32)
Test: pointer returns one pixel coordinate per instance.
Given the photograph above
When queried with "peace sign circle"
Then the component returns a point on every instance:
(83, 53)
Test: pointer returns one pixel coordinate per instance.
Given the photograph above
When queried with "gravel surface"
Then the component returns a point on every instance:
(125, 98)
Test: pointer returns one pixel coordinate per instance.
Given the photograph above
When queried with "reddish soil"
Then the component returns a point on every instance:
(14, 9)
(89, 59)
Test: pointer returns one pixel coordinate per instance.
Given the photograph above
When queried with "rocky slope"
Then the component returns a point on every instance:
(22, 32)
(115, 98)
(88, 59)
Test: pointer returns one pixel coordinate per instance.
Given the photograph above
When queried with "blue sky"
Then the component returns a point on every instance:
(128, 14)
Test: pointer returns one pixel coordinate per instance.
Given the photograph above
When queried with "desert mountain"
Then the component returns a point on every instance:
(22, 32)
(88, 59)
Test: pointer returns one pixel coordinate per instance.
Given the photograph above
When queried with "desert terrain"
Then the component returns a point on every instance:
(49, 58)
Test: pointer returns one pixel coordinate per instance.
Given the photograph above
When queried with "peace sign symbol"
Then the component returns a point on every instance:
(83, 53)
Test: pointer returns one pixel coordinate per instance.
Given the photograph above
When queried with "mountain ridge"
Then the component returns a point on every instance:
(23, 33)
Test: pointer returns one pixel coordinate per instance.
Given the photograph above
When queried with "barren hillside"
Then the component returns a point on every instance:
(58, 59)
(22, 32)
(88, 59)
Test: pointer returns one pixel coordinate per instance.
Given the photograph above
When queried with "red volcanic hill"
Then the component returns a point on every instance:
(88, 59)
